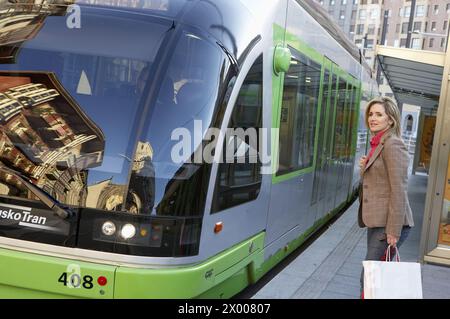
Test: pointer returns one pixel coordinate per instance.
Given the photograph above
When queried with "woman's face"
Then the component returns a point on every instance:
(378, 119)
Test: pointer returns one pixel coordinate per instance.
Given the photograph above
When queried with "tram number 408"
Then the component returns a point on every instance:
(75, 281)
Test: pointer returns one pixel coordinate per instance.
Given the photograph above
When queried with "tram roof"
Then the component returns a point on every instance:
(415, 76)
(322, 16)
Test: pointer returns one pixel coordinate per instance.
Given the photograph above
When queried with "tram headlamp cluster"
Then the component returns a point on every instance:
(140, 235)
(129, 231)
(126, 232)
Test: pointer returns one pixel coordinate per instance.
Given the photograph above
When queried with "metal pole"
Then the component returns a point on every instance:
(365, 45)
(410, 23)
(383, 39)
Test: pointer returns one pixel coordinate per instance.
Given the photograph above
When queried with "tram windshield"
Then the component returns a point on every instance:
(88, 115)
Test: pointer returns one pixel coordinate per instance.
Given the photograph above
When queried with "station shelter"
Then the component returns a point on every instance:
(422, 78)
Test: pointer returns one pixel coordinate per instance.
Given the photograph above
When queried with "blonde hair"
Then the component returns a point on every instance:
(391, 110)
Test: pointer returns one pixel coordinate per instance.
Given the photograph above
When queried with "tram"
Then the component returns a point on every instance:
(106, 190)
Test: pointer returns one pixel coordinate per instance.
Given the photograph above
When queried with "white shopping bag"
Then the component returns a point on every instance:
(392, 280)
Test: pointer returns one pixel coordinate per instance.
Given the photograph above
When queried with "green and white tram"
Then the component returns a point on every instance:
(105, 190)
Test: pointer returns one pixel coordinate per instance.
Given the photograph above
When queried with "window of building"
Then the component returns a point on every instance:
(444, 26)
(407, 12)
(353, 14)
(405, 27)
(436, 9)
(239, 175)
(344, 2)
(362, 14)
(397, 28)
(431, 43)
(352, 28)
(374, 1)
(420, 11)
(442, 42)
(417, 26)
(416, 43)
(447, 7)
(360, 29)
(396, 43)
(355, 1)
(374, 14)
(426, 26)
(332, 2)
(342, 15)
(433, 26)
(369, 44)
(358, 43)
(402, 43)
(298, 115)
(363, 2)
(371, 29)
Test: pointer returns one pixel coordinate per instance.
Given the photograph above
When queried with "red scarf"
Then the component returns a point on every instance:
(374, 141)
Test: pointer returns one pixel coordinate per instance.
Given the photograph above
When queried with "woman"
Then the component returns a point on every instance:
(384, 206)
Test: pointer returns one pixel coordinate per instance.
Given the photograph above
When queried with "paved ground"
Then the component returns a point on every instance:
(331, 266)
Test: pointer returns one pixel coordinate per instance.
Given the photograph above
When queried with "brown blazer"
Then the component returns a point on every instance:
(383, 196)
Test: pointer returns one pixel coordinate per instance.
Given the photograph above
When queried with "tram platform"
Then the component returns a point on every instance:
(330, 267)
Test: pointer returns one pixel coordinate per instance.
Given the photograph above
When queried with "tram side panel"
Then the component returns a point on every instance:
(291, 213)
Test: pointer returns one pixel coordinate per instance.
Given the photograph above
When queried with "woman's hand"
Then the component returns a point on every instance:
(362, 162)
(392, 240)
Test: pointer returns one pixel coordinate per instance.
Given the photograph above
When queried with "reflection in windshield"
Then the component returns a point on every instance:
(20, 22)
(46, 136)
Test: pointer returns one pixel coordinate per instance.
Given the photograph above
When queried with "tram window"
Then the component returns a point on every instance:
(318, 175)
(299, 106)
(348, 116)
(353, 119)
(339, 143)
(239, 177)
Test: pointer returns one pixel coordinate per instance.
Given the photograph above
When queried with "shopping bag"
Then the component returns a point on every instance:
(392, 280)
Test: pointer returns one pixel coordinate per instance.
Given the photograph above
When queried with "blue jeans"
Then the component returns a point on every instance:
(377, 245)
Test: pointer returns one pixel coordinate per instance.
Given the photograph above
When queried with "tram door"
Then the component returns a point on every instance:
(339, 147)
(330, 169)
(352, 136)
(347, 146)
(319, 195)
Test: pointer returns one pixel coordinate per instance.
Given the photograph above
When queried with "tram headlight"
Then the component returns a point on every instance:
(128, 231)
(108, 228)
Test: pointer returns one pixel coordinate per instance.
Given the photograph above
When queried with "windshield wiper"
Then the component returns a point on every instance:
(47, 199)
